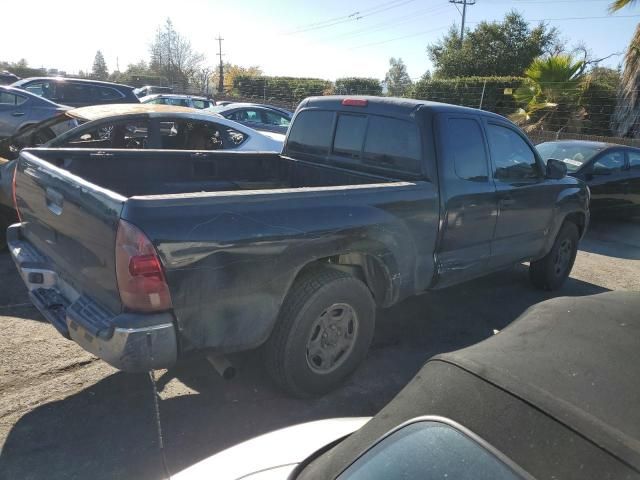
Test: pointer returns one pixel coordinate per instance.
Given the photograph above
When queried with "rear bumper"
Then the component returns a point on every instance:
(131, 342)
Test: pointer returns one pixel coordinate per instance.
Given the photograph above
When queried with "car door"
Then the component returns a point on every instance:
(468, 199)
(633, 189)
(607, 176)
(14, 111)
(76, 94)
(526, 200)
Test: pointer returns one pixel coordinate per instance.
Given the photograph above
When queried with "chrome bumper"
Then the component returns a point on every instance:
(132, 342)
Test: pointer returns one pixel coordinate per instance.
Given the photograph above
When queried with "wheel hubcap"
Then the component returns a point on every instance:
(563, 257)
(332, 338)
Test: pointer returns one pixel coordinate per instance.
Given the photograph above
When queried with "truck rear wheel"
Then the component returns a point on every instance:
(324, 331)
(550, 272)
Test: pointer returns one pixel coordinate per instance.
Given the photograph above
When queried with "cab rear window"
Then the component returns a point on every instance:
(372, 142)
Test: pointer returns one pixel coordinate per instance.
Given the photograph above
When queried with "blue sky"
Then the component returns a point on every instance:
(327, 39)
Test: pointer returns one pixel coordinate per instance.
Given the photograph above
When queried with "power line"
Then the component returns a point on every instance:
(464, 4)
(356, 16)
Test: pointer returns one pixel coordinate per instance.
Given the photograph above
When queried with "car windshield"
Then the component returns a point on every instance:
(574, 155)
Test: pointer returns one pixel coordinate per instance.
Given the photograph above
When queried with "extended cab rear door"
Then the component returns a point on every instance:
(467, 197)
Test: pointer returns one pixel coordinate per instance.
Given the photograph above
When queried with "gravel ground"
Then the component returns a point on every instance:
(66, 414)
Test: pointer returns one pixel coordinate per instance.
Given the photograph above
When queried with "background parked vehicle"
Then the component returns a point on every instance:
(611, 171)
(20, 109)
(127, 126)
(150, 90)
(260, 117)
(7, 78)
(179, 100)
(536, 410)
(77, 92)
(372, 200)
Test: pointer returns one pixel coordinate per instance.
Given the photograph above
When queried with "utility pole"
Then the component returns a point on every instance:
(221, 76)
(464, 4)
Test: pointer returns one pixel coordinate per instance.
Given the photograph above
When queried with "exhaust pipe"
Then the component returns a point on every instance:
(222, 365)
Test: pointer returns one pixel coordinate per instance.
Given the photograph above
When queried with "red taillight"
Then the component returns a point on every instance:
(141, 280)
(13, 192)
(355, 102)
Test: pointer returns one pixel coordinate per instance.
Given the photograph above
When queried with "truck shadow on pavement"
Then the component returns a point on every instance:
(108, 430)
(619, 238)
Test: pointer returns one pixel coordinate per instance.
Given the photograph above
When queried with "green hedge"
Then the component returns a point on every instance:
(358, 86)
(468, 92)
(289, 89)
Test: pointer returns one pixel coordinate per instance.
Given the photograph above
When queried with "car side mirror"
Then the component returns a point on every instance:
(556, 169)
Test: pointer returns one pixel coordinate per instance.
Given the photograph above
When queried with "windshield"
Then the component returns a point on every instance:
(574, 155)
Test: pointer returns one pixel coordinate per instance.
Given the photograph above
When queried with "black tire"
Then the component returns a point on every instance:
(551, 271)
(315, 299)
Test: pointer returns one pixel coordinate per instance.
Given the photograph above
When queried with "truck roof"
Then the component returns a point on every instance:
(389, 105)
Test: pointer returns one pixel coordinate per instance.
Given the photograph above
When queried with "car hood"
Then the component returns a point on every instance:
(273, 455)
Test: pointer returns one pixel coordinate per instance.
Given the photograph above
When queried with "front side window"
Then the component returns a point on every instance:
(43, 88)
(466, 145)
(311, 133)
(429, 450)
(271, 118)
(612, 162)
(513, 159)
(634, 160)
(196, 135)
(123, 134)
(200, 104)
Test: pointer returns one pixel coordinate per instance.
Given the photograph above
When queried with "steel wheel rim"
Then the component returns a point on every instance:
(563, 257)
(332, 338)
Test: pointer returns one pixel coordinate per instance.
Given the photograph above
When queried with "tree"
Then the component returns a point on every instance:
(397, 79)
(504, 48)
(173, 57)
(99, 70)
(550, 96)
(626, 118)
(231, 72)
(358, 86)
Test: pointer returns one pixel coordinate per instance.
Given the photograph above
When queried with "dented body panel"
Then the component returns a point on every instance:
(233, 230)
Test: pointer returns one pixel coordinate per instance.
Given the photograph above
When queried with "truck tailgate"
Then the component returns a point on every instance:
(74, 224)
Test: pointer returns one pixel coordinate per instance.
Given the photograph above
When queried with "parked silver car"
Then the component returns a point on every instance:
(259, 117)
(190, 101)
(19, 109)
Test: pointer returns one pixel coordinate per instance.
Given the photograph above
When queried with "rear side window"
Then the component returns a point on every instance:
(393, 144)
(106, 93)
(311, 133)
(11, 99)
(350, 132)
(122, 134)
(192, 135)
(466, 146)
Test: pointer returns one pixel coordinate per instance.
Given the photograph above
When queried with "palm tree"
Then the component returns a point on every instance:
(550, 95)
(627, 113)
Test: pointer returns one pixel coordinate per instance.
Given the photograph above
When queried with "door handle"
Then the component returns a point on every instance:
(101, 155)
(17, 114)
(54, 200)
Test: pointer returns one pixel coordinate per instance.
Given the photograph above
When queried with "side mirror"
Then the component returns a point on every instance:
(556, 169)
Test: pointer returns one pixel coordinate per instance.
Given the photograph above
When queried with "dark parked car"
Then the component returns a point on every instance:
(7, 78)
(77, 92)
(151, 89)
(611, 171)
(555, 395)
(372, 200)
(260, 117)
(19, 109)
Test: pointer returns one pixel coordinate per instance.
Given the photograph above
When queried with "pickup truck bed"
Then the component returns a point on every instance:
(141, 256)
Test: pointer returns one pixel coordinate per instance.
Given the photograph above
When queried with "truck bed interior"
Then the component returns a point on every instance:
(137, 173)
